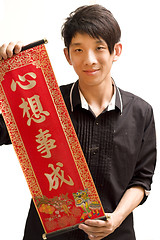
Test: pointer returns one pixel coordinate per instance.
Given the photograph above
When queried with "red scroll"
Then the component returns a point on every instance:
(46, 143)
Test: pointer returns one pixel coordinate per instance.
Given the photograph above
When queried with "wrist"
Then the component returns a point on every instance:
(118, 217)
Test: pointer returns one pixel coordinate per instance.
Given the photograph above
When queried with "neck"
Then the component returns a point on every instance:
(98, 96)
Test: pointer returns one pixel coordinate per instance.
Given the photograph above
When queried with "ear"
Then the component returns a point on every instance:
(117, 51)
(66, 53)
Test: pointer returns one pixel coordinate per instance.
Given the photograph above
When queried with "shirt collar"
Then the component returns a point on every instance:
(111, 105)
(77, 98)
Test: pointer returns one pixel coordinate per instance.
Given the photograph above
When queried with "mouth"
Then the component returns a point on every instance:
(91, 71)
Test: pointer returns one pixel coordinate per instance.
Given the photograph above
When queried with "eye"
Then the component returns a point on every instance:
(78, 50)
(100, 48)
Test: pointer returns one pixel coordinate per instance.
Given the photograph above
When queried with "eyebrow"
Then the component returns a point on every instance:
(100, 41)
(76, 44)
(97, 42)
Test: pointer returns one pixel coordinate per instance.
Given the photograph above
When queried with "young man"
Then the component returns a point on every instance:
(115, 128)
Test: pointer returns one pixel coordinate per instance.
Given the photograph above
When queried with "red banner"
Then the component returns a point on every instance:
(45, 142)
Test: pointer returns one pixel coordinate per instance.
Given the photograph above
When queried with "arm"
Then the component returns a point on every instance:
(98, 229)
(4, 136)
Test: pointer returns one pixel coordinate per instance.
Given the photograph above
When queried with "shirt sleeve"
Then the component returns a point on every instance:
(146, 162)
(4, 136)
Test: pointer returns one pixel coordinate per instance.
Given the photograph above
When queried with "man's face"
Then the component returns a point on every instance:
(90, 58)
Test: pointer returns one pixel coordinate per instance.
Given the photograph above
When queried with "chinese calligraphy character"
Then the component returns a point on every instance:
(35, 107)
(23, 79)
(45, 144)
(56, 176)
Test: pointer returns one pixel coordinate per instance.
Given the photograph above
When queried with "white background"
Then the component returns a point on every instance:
(137, 71)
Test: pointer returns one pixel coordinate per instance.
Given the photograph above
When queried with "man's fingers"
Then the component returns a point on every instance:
(92, 229)
(97, 229)
(95, 223)
(99, 236)
(3, 53)
(7, 51)
(18, 47)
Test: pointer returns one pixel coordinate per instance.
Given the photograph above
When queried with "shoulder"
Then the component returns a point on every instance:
(137, 115)
(135, 103)
(65, 89)
(136, 110)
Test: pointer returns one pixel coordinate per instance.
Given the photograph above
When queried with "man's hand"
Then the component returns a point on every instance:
(7, 51)
(98, 229)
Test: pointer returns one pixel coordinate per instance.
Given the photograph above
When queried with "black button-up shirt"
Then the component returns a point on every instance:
(120, 149)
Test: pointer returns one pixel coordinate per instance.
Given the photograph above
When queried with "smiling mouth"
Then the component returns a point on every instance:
(91, 71)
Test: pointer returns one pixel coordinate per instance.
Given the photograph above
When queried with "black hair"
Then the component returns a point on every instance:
(96, 21)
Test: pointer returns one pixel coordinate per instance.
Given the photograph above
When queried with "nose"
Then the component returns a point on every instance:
(90, 58)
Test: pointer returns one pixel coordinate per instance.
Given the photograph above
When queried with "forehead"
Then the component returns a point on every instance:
(84, 38)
